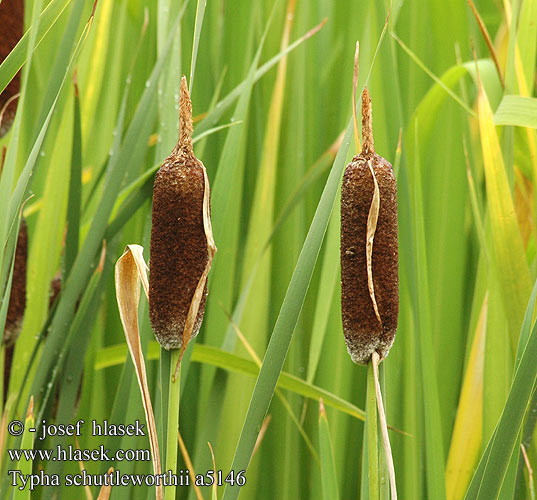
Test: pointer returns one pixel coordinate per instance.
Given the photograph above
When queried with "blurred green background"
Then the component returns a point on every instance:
(271, 107)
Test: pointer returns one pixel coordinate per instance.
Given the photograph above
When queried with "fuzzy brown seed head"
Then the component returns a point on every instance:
(365, 330)
(179, 252)
(17, 299)
(11, 26)
(55, 289)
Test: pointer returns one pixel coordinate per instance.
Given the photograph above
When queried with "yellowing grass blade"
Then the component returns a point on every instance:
(130, 270)
(25, 466)
(190, 466)
(467, 431)
(509, 257)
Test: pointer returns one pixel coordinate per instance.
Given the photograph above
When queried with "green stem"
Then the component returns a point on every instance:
(173, 421)
(2, 370)
(372, 435)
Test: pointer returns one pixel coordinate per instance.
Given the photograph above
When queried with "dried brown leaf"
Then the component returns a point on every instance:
(130, 270)
(106, 490)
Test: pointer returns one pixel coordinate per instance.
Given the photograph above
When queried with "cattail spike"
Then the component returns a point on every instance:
(369, 251)
(180, 240)
(184, 145)
(17, 298)
(368, 145)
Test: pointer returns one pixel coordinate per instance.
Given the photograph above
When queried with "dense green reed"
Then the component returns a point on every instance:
(272, 101)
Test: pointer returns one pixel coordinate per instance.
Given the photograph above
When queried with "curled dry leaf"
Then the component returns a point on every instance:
(198, 296)
(130, 270)
(372, 219)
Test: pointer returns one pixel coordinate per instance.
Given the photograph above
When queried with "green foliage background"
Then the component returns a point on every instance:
(272, 126)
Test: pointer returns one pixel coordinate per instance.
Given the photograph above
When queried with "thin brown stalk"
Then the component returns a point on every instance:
(488, 41)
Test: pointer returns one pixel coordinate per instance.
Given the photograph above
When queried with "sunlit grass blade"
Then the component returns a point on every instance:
(527, 43)
(517, 110)
(200, 12)
(510, 260)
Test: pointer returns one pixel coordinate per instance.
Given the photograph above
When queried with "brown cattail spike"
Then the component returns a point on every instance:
(17, 298)
(369, 251)
(11, 26)
(179, 243)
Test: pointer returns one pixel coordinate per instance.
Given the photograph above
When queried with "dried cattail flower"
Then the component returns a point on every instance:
(17, 299)
(369, 250)
(12, 24)
(181, 239)
(55, 289)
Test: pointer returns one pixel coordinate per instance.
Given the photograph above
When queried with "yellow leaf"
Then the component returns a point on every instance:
(509, 258)
(467, 431)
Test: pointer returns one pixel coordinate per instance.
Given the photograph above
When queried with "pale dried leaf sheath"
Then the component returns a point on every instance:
(182, 245)
(11, 26)
(372, 220)
(106, 490)
(17, 298)
(130, 270)
(369, 272)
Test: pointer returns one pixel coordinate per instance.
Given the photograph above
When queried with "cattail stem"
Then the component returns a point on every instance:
(174, 396)
(368, 145)
(375, 360)
(184, 144)
(371, 424)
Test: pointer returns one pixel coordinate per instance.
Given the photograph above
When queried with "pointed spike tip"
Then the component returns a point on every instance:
(368, 145)
(184, 144)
